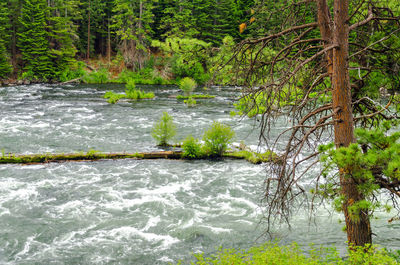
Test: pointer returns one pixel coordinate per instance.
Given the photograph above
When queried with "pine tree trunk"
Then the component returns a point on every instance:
(358, 227)
(88, 34)
(108, 42)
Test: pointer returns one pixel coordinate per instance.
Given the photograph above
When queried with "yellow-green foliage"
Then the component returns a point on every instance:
(273, 254)
(191, 148)
(187, 85)
(217, 138)
(164, 130)
(113, 97)
(190, 102)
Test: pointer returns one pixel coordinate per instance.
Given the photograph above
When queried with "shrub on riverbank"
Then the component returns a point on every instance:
(101, 76)
(272, 253)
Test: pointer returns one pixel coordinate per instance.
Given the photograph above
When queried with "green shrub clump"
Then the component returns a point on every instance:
(97, 77)
(217, 138)
(187, 85)
(113, 97)
(190, 102)
(164, 130)
(191, 148)
(133, 93)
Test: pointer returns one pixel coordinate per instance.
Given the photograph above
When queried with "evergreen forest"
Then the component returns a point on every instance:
(49, 40)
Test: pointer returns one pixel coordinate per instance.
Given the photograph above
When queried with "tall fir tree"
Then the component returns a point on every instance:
(132, 22)
(33, 41)
(178, 20)
(62, 32)
(5, 67)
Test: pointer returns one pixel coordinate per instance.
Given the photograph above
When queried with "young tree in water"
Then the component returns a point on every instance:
(321, 63)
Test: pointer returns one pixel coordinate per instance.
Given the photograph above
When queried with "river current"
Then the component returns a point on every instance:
(130, 211)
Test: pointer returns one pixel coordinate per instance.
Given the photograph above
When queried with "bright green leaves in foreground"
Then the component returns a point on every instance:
(373, 162)
(272, 253)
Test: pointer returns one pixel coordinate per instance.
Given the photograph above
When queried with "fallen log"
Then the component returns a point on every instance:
(254, 158)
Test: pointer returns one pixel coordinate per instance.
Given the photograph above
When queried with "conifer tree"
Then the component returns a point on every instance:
(33, 41)
(61, 33)
(178, 20)
(5, 67)
(132, 22)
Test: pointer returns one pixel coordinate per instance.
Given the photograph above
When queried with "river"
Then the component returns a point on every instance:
(130, 211)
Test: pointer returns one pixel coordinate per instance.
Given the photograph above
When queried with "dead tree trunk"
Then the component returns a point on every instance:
(358, 227)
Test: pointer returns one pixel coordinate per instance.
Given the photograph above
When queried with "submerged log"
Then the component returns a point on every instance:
(254, 158)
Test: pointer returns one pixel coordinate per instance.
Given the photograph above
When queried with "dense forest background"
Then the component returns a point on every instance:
(44, 40)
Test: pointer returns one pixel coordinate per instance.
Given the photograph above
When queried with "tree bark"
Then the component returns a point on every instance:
(88, 33)
(358, 229)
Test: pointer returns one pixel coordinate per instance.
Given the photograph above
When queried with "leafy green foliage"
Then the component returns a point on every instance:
(133, 93)
(188, 57)
(97, 77)
(130, 93)
(74, 72)
(217, 138)
(192, 148)
(113, 97)
(145, 76)
(187, 85)
(272, 253)
(190, 102)
(164, 130)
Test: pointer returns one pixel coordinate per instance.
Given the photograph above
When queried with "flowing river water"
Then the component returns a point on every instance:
(131, 211)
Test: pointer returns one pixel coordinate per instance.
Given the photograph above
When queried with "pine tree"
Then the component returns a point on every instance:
(178, 20)
(132, 22)
(61, 33)
(5, 67)
(33, 41)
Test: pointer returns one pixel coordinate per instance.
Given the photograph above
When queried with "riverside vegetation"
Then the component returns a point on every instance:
(296, 71)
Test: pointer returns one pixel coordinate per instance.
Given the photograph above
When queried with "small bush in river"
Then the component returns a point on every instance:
(187, 85)
(191, 148)
(217, 138)
(164, 130)
(133, 93)
(113, 97)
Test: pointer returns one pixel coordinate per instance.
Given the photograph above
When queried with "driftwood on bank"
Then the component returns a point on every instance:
(254, 158)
